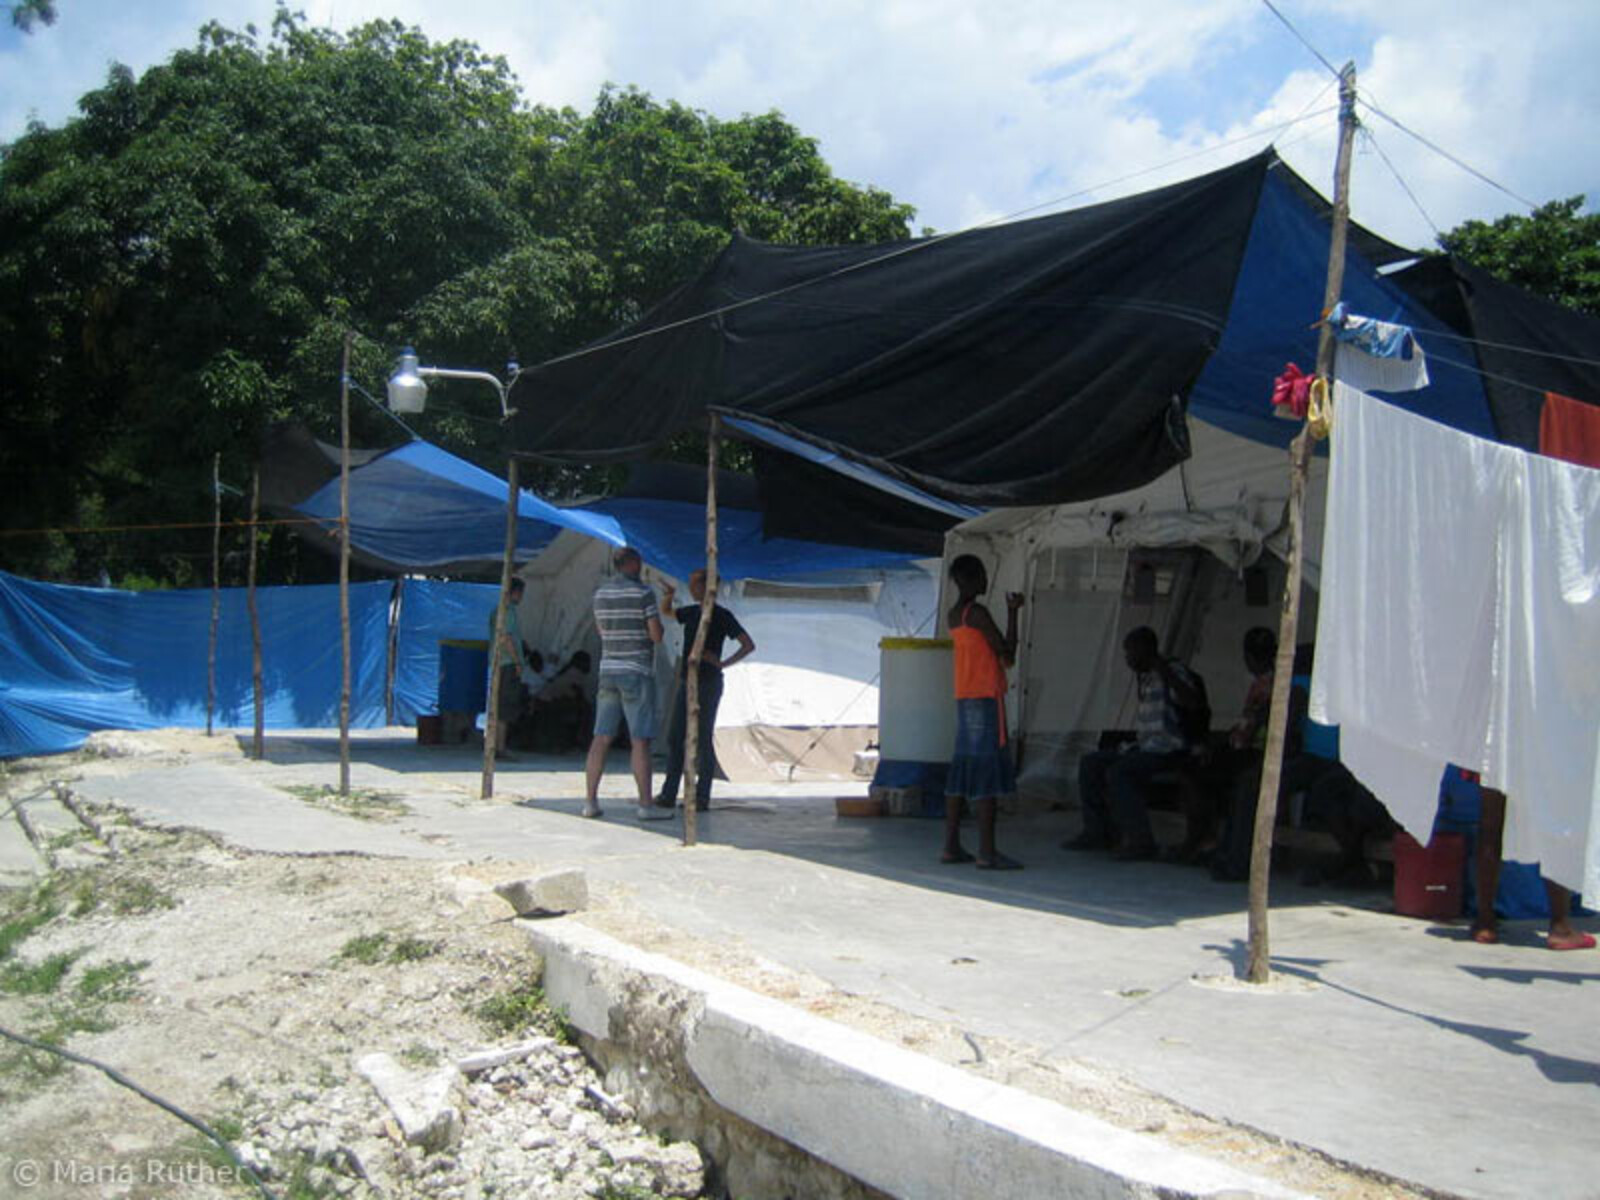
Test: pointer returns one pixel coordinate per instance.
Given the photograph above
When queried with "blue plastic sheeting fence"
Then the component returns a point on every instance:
(75, 659)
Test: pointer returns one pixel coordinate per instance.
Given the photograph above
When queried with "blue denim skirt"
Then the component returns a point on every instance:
(981, 767)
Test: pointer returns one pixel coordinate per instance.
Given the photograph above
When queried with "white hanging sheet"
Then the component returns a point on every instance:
(1460, 622)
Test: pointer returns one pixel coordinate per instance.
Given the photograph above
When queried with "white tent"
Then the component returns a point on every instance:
(1185, 554)
(808, 699)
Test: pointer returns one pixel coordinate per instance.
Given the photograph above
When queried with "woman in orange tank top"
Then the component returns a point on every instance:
(980, 769)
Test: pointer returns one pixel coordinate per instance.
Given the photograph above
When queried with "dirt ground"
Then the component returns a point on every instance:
(240, 986)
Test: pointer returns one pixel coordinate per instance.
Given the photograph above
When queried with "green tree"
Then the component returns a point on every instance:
(178, 263)
(25, 12)
(1555, 252)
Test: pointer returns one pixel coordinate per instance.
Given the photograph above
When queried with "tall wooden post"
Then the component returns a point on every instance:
(257, 747)
(391, 658)
(491, 717)
(216, 587)
(691, 755)
(344, 569)
(1259, 968)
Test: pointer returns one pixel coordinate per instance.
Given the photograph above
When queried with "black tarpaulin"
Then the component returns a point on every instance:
(1524, 344)
(1034, 362)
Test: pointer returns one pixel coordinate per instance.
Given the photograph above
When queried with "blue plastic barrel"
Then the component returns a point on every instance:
(463, 674)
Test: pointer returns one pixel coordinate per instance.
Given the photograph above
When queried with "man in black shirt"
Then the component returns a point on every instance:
(724, 627)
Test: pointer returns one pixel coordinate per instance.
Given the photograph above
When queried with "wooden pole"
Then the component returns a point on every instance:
(344, 569)
(692, 766)
(396, 599)
(216, 587)
(1259, 968)
(491, 718)
(257, 745)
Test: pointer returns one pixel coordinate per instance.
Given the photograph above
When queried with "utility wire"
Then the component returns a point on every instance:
(1506, 379)
(1398, 178)
(1528, 350)
(1289, 25)
(1442, 152)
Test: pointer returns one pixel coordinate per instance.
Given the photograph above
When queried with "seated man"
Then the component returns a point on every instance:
(1310, 751)
(561, 710)
(1112, 784)
(1203, 794)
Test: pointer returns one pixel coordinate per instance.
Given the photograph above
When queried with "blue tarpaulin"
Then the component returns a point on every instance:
(419, 509)
(76, 659)
(430, 612)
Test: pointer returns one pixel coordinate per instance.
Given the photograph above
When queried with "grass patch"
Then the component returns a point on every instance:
(67, 838)
(122, 896)
(420, 1054)
(366, 804)
(413, 949)
(36, 979)
(366, 948)
(24, 912)
(370, 948)
(523, 1008)
(110, 982)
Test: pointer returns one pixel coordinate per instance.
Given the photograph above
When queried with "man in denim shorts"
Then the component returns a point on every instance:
(625, 614)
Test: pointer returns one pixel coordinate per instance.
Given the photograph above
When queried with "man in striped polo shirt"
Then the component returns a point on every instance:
(626, 616)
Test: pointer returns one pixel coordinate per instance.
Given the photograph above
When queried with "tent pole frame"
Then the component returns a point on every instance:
(257, 746)
(344, 568)
(216, 587)
(1259, 966)
(691, 732)
(491, 716)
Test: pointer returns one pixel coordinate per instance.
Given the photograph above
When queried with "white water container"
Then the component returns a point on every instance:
(916, 700)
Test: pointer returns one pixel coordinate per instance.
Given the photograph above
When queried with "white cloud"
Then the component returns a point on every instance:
(976, 111)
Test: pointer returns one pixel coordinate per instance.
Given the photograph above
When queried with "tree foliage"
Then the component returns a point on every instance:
(25, 12)
(179, 263)
(1555, 252)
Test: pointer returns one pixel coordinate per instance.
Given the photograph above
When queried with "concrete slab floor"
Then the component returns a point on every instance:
(1397, 1045)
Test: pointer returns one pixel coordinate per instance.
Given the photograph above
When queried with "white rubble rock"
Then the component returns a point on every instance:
(497, 1056)
(547, 894)
(427, 1107)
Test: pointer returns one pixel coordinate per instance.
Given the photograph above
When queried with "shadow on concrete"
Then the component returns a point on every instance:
(905, 850)
(1558, 1068)
(806, 827)
(1519, 975)
(403, 755)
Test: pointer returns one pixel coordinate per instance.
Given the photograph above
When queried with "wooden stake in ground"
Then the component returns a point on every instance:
(344, 568)
(258, 748)
(491, 717)
(692, 766)
(1259, 968)
(216, 587)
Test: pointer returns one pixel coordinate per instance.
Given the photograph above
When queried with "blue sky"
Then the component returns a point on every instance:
(974, 111)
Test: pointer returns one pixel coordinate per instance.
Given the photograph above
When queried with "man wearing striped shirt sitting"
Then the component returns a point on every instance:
(626, 617)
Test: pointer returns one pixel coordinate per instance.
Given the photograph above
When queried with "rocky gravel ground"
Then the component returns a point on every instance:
(348, 1026)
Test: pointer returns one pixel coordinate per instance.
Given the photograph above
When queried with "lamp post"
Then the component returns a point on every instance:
(408, 386)
(408, 393)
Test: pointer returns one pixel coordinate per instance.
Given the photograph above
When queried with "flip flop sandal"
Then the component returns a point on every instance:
(955, 859)
(1581, 941)
(999, 863)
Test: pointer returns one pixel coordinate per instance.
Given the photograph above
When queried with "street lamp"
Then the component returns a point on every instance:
(408, 386)
(408, 393)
